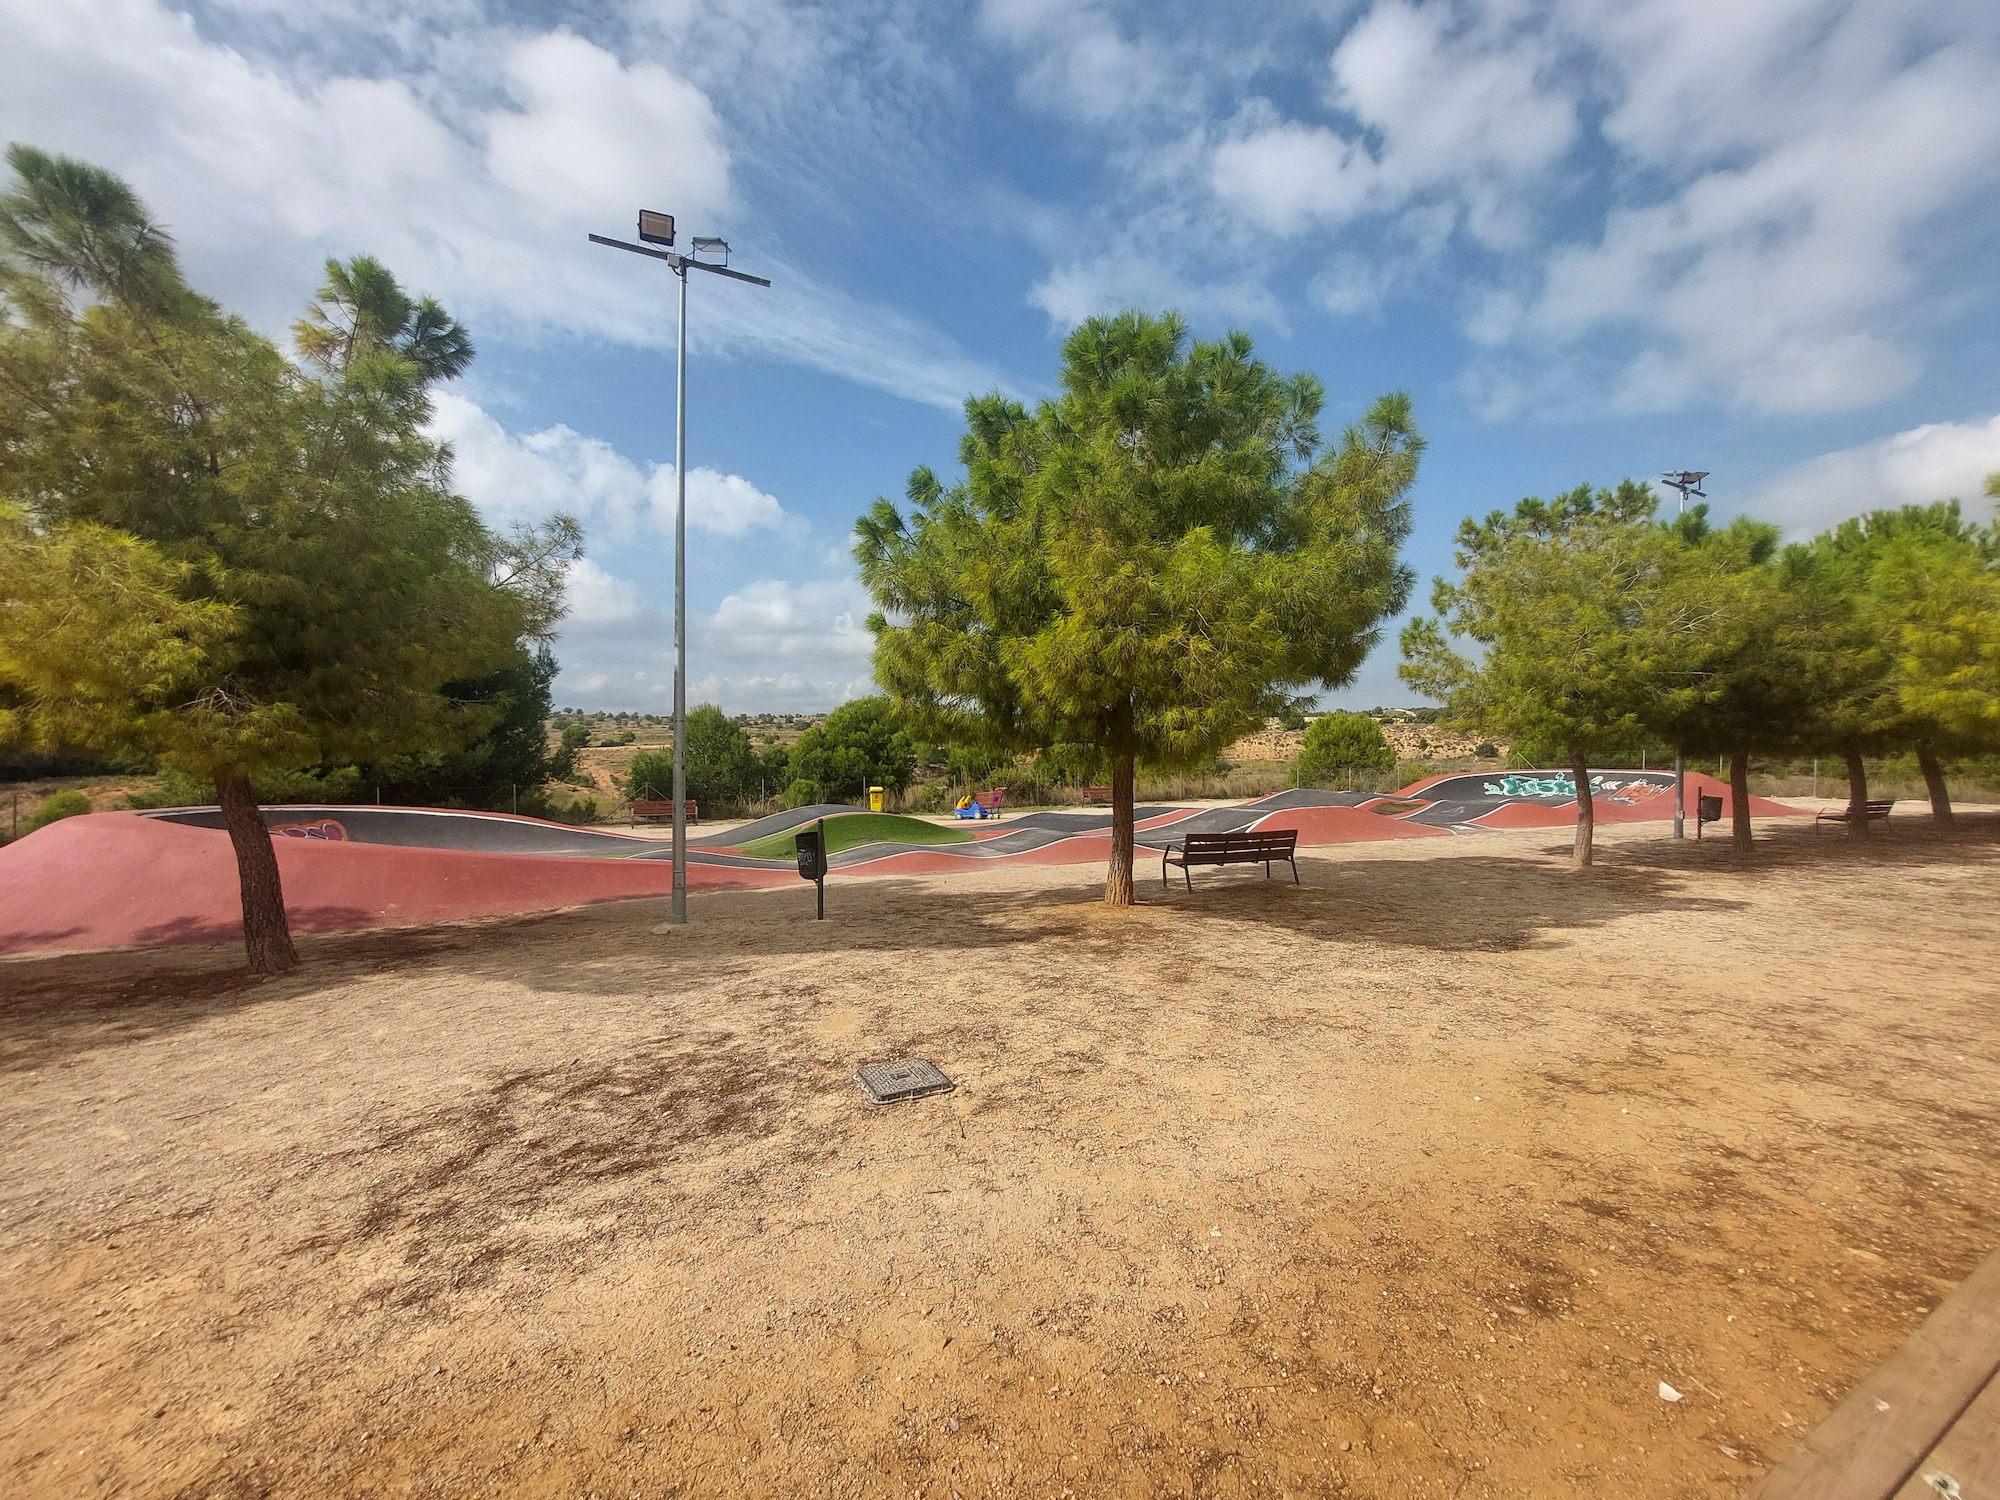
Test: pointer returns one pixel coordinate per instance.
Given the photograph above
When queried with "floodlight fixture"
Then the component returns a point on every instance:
(658, 229)
(1688, 482)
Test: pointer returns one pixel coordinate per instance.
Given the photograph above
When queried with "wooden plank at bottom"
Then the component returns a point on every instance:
(1966, 1461)
(1875, 1439)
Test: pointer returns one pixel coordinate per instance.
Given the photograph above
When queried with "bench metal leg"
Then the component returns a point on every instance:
(1187, 875)
(1295, 871)
(1163, 870)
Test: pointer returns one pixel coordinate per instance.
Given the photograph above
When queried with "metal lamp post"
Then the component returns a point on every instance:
(1688, 482)
(658, 229)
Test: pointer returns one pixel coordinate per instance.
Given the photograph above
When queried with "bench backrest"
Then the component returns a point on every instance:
(664, 809)
(1277, 843)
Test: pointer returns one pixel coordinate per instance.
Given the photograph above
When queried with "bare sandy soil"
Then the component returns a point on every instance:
(1417, 1180)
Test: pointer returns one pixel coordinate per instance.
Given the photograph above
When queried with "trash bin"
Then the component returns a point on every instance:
(812, 852)
(812, 862)
(874, 799)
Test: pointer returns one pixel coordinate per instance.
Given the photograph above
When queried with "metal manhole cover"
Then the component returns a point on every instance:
(888, 1083)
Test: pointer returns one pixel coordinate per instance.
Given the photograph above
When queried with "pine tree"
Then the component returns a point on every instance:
(1146, 567)
(307, 508)
(1560, 595)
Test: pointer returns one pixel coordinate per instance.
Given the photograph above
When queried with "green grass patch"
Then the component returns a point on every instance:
(851, 830)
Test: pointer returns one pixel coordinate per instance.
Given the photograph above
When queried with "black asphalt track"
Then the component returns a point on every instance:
(490, 833)
(1454, 801)
(432, 828)
(500, 833)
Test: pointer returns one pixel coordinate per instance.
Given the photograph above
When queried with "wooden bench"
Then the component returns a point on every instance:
(1097, 794)
(1925, 1424)
(1265, 848)
(651, 810)
(1877, 812)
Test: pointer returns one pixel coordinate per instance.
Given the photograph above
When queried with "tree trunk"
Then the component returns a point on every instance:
(1118, 883)
(1934, 780)
(266, 937)
(1857, 795)
(1586, 819)
(1739, 800)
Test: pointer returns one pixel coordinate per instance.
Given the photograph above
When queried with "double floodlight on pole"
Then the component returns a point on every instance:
(1688, 482)
(658, 229)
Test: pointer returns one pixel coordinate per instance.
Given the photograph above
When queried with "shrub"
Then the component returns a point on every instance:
(857, 747)
(1340, 744)
(722, 769)
(802, 793)
(562, 764)
(1485, 749)
(61, 805)
(176, 789)
(581, 810)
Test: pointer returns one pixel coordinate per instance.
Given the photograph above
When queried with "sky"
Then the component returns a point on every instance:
(1592, 238)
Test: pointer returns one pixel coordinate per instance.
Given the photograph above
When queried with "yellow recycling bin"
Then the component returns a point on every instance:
(874, 799)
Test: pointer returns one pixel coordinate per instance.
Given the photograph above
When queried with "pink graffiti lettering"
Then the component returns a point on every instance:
(326, 829)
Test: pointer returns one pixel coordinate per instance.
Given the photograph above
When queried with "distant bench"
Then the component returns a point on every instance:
(1876, 812)
(1266, 849)
(1097, 794)
(652, 810)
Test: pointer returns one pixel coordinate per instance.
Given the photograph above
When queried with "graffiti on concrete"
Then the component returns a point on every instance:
(1563, 788)
(325, 828)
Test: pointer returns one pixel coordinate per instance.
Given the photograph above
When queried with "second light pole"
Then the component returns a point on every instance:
(658, 229)
(1688, 482)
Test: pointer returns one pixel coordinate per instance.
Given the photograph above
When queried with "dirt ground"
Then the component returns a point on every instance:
(1417, 1180)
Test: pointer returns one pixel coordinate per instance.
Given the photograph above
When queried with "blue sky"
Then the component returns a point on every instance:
(1593, 238)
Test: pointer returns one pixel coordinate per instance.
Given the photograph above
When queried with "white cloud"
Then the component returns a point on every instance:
(1634, 204)
(774, 644)
(559, 468)
(1471, 112)
(775, 622)
(1938, 461)
(1776, 278)
(592, 137)
(596, 597)
(1128, 278)
(1080, 63)
(475, 173)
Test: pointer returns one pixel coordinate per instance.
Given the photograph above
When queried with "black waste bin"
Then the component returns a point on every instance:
(1706, 810)
(812, 860)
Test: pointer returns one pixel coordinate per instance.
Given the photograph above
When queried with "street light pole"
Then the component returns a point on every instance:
(679, 915)
(1688, 482)
(658, 229)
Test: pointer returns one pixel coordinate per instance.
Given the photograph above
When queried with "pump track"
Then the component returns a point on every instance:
(145, 879)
